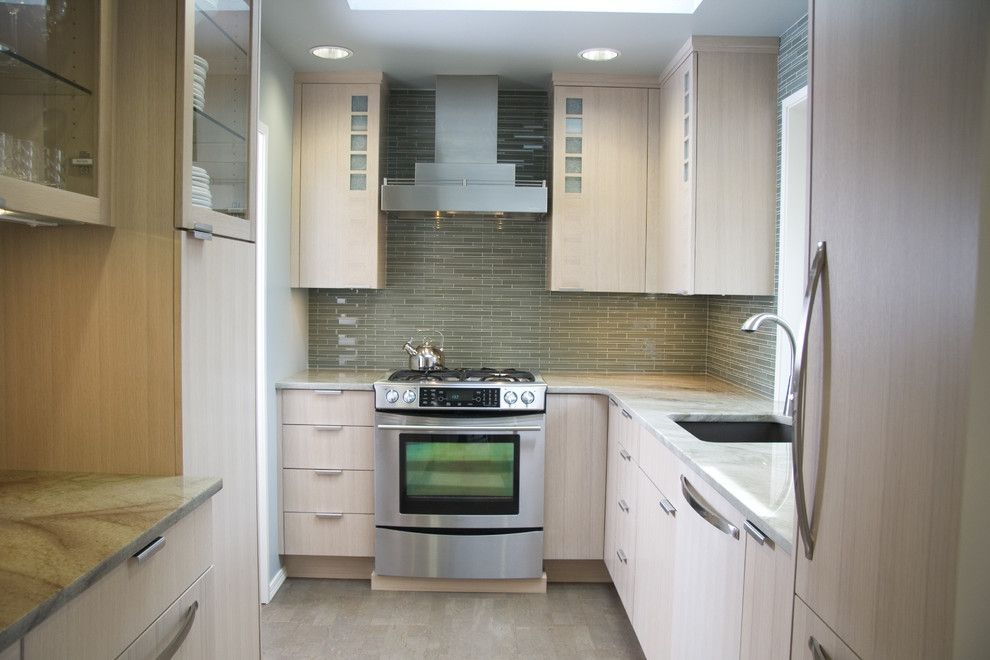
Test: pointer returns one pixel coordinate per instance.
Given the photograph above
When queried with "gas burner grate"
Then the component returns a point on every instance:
(483, 375)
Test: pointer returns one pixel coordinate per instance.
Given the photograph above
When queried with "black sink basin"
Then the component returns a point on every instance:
(739, 431)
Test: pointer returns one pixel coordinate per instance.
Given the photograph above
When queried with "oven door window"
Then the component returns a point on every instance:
(472, 474)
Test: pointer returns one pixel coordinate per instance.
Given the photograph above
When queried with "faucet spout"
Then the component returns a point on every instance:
(753, 324)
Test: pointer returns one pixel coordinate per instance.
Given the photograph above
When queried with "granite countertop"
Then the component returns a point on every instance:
(754, 477)
(61, 531)
(343, 379)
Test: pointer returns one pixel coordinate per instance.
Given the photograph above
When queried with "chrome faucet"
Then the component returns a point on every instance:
(753, 324)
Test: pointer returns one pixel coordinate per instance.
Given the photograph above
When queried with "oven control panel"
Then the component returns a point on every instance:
(401, 396)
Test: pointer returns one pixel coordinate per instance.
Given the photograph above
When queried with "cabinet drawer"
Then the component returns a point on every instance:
(103, 620)
(186, 628)
(340, 447)
(332, 407)
(658, 463)
(340, 491)
(807, 627)
(346, 535)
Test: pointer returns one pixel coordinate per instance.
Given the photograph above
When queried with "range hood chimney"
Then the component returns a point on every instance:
(466, 177)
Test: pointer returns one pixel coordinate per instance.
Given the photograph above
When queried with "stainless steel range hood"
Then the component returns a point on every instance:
(466, 178)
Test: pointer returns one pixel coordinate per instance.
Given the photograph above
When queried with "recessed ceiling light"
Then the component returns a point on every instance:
(598, 54)
(331, 52)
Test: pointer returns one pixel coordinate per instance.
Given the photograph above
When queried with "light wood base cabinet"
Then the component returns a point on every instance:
(768, 597)
(110, 615)
(621, 507)
(654, 597)
(574, 482)
(810, 633)
(710, 225)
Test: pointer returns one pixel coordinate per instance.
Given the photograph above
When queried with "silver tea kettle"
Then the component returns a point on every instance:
(427, 355)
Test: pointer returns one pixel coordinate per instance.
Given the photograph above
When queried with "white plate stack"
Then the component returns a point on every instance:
(201, 195)
(200, 68)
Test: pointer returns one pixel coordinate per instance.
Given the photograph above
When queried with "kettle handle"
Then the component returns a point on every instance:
(434, 330)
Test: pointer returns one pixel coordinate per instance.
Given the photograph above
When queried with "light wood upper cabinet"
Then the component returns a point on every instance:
(598, 225)
(710, 227)
(56, 74)
(217, 120)
(574, 514)
(338, 231)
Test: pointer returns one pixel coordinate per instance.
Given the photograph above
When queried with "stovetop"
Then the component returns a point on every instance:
(483, 375)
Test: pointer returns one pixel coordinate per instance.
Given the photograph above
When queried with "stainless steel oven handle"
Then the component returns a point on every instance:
(485, 429)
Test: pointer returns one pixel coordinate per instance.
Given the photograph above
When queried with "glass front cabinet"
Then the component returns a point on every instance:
(54, 92)
(218, 74)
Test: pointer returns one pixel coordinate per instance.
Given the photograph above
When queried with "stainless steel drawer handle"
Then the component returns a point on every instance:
(624, 454)
(329, 516)
(755, 533)
(328, 473)
(667, 507)
(476, 429)
(697, 503)
(150, 550)
(622, 556)
(612, 402)
(329, 428)
(328, 392)
(173, 647)
(626, 414)
(624, 506)
(817, 651)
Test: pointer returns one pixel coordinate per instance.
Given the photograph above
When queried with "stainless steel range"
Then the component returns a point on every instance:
(459, 474)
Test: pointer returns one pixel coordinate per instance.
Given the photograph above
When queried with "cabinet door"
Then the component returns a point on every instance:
(653, 591)
(768, 595)
(813, 640)
(612, 512)
(894, 190)
(218, 429)
(598, 228)
(573, 503)
(708, 585)
(339, 238)
(670, 247)
(185, 630)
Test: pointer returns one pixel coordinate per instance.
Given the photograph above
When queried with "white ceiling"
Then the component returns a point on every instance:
(521, 47)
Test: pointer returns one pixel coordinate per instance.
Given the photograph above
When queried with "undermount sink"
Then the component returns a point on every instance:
(739, 431)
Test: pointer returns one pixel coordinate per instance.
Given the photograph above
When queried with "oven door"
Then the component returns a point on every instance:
(456, 472)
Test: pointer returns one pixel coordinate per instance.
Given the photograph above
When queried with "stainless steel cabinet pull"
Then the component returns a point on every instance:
(622, 556)
(755, 533)
(328, 392)
(612, 402)
(328, 473)
(626, 414)
(797, 396)
(203, 231)
(817, 651)
(169, 651)
(329, 515)
(697, 503)
(329, 428)
(624, 506)
(150, 550)
(667, 507)
(477, 429)
(624, 454)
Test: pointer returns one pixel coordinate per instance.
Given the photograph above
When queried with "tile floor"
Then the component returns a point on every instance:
(345, 619)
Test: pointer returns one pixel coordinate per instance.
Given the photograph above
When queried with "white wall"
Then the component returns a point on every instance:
(287, 335)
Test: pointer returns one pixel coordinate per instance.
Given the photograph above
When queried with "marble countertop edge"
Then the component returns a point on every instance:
(18, 629)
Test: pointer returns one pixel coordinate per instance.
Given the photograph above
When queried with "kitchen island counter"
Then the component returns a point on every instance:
(63, 531)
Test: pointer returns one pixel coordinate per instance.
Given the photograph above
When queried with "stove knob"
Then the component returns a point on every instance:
(409, 396)
(391, 396)
(510, 397)
(527, 397)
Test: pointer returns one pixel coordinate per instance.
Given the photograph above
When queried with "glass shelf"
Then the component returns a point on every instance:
(209, 129)
(21, 76)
